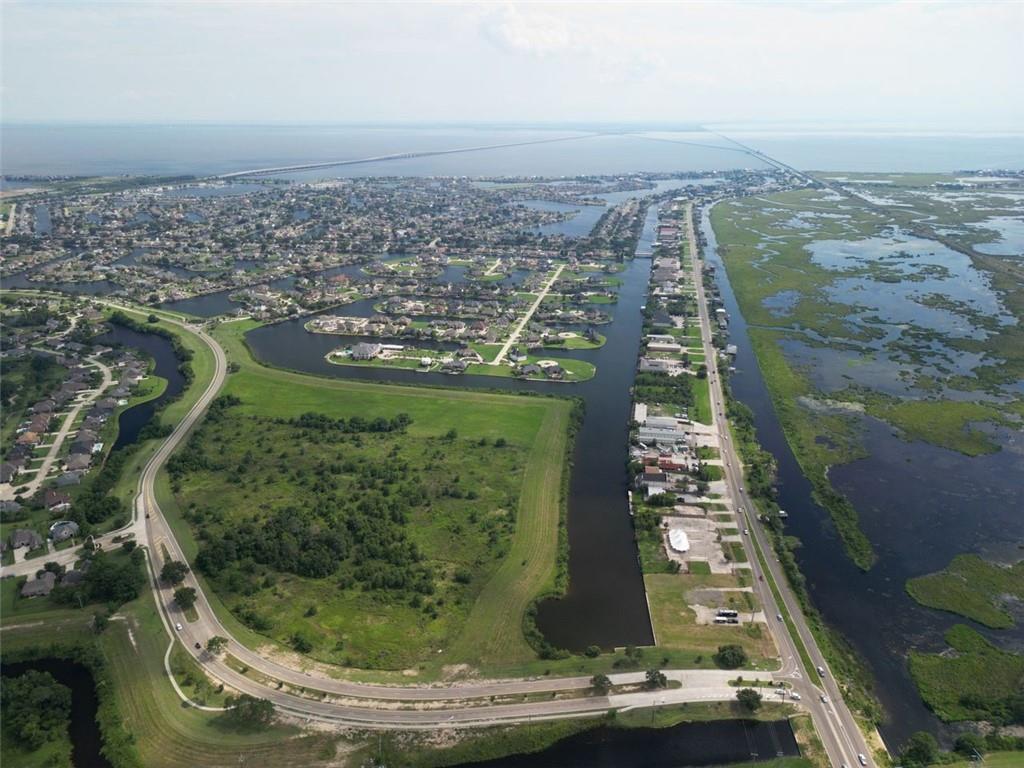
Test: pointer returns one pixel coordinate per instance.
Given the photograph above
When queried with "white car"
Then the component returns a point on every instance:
(778, 616)
(824, 699)
(178, 627)
(863, 760)
(795, 695)
(746, 531)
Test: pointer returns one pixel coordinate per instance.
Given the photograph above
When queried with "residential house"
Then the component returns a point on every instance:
(25, 537)
(56, 500)
(63, 530)
(40, 586)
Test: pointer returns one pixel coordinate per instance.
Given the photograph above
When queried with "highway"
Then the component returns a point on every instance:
(394, 156)
(469, 703)
(833, 720)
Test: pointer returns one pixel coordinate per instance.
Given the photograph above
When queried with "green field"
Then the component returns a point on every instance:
(508, 451)
(676, 628)
(992, 760)
(163, 733)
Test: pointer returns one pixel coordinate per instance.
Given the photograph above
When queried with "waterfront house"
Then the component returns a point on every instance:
(365, 351)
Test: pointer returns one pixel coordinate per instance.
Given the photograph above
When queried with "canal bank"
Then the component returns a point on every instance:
(133, 420)
(870, 610)
(605, 603)
(720, 742)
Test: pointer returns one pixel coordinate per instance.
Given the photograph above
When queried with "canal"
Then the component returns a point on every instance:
(83, 730)
(132, 420)
(605, 603)
(872, 610)
(719, 742)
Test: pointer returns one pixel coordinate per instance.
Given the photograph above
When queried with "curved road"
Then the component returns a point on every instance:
(466, 703)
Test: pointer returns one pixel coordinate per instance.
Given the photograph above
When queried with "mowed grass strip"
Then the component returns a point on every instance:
(493, 631)
(169, 734)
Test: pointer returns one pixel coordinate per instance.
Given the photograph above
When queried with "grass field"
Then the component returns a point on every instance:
(480, 624)
(701, 400)
(165, 733)
(675, 625)
(992, 760)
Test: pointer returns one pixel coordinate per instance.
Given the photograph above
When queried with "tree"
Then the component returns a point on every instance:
(36, 707)
(969, 744)
(655, 678)
(216, 644)
(301, 643)
(249, 711)
(749, 699)
(100, 620)
(592, 651)
(730, 656)
(601, 683)
(173, 572)
(153, 319)
(921, 749)
(185, 597)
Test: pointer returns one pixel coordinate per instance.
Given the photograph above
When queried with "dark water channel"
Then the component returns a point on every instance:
(918, 504)
(605, 603)
(83, 731)
(688, 744)
(132, 420)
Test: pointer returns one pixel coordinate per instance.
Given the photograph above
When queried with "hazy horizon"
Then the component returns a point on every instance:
(896, 66)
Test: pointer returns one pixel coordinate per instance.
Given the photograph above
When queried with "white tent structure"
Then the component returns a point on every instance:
(678, 540)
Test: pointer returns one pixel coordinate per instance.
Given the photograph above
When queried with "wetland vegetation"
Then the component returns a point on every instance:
(854, 313)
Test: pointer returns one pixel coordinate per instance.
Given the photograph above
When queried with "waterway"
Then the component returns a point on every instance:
(689, 744)
(132, 420)
(605, 603)
(947, 504)
(83, 731)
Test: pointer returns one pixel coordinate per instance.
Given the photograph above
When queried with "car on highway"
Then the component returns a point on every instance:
(824, 699)
(178, 627)
(746, 531)
(861, 759)
(778, 616)
(821, 671)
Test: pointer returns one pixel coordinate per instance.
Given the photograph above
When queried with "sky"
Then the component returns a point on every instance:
(878, 65)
